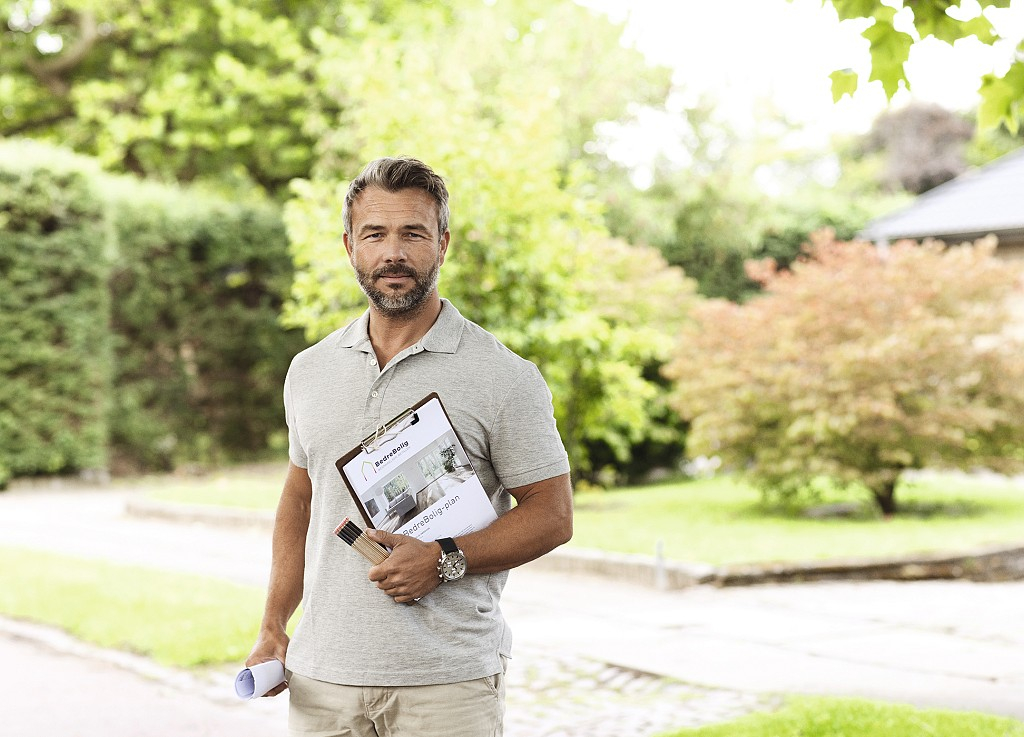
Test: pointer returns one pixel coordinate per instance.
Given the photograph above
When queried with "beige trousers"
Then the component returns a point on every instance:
(467, 709)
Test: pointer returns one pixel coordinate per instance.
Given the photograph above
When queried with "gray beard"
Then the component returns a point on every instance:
(399, 305)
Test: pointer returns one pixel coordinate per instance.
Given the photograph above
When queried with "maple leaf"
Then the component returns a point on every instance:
(890, 50)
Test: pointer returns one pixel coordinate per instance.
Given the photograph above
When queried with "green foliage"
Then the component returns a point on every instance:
(705, 217)
(197, 290)
(711, 220)
(844, 82)
(857, 366)
(715, 229)
(55, 352)
(890, 50)
(173, 90)
(170, 296)
(991, 144)
(488, 96)
(736, 198)
(1002, 94)
(832, 717)
(240, 91)
(789, 230)
(1002, 99)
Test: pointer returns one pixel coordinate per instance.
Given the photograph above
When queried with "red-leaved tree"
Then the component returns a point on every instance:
(858, 365)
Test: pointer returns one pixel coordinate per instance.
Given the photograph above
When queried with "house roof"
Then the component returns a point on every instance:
(981, 201)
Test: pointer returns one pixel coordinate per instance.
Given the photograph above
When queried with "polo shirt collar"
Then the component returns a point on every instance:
(357, 333)
(443, 337)
(445, 333)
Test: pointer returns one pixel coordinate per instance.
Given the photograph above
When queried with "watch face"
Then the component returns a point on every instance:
(453, 566)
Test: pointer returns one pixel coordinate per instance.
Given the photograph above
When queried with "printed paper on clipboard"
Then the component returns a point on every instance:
(413, 477)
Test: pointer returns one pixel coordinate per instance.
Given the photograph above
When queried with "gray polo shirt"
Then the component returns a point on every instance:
(335, 395)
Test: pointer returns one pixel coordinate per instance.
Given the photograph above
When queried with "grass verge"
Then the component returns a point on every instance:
(721, 521)
(832, 717)
(176, 619)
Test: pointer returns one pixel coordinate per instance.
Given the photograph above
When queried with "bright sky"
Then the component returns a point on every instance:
(743, 51)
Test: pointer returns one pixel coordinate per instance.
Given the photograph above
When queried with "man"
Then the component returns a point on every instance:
(408, 648)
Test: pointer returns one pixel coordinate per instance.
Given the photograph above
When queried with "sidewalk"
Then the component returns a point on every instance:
(593, 656)
(55, 686)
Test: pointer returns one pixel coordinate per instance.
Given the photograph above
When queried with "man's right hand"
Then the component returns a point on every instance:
(284, 592)
(269, 646)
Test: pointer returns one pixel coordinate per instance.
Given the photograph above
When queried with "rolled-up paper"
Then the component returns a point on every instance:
(253, 682)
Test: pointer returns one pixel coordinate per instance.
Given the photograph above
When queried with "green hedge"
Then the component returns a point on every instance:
(200, 357)
(138, 322)
(55, 359)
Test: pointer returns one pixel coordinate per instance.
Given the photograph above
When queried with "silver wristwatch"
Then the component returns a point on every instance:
(451, 566)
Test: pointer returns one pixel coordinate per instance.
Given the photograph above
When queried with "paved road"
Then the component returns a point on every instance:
(593, 657)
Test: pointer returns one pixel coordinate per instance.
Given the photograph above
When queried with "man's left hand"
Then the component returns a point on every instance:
(410, 572)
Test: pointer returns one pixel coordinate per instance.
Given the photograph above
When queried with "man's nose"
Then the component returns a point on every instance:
(394, 249)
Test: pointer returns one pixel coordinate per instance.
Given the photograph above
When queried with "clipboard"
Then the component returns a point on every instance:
(412, 476)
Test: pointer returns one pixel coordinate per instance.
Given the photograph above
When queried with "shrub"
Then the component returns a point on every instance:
(54, 346)
(857, 366)
(200, 356)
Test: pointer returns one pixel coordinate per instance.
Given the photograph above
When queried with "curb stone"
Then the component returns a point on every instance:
(989, 564)
(985, 564)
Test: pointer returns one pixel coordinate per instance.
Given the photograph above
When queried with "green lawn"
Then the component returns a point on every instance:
(174, 618)
(830, 717)
(248, 487)
(720, 521)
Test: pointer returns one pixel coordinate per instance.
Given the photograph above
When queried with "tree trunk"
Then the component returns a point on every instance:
(885, 497)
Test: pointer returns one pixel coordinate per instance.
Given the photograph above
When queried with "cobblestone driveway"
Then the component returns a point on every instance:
(566, 696)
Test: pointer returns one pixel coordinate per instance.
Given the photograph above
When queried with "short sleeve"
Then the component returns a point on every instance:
(296, 451)
(524, 440)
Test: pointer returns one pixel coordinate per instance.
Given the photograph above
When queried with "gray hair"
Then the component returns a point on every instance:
(394, 174)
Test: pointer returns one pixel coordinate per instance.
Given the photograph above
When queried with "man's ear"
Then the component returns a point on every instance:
(348, 248)
(445, 239)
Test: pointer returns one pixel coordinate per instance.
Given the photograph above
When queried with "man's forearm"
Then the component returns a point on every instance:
(284, 591)
(540, 522)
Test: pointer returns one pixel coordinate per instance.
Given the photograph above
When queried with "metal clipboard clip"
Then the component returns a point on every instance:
(389, 430)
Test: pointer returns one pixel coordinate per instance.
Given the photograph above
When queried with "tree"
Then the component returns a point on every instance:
(915, 148)
(991, 144)
(712, 215)
(704, 216)
(857, 366)
(177, 91)
(1002, 95)
(923, 146)
(237, 91)
(530, 259)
